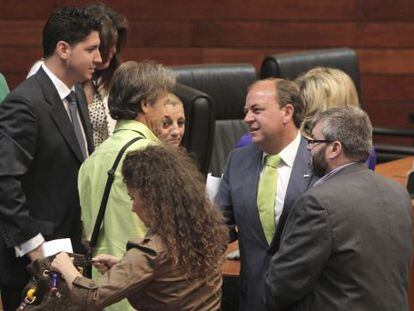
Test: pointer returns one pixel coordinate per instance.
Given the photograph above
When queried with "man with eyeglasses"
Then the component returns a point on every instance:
(262, 180)
(347, 241)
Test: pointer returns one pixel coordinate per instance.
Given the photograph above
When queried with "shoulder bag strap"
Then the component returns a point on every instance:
(104, 201)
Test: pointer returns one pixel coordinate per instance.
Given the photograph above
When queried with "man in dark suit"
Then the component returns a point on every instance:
(273, 114)
(347, 241)
(44, 137)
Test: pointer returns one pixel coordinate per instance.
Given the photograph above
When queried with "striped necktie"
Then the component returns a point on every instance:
(74, 116)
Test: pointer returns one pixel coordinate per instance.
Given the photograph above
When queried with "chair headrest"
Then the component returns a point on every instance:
(291, 65)
(199, 119)
(226, 84)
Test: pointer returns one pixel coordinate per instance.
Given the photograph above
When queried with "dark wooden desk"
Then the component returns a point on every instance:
(395, 170)
(231, 268)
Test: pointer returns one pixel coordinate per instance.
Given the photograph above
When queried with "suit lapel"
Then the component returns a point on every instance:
(58, 113)
(250, 186)
(301, 177)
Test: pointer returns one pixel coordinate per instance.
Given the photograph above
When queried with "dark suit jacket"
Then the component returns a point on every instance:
(237, 198)
(346, 246)
(39, 162)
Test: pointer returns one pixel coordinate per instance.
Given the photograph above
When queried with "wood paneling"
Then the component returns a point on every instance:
(26, 10)
(381, 87)
(390, 113)
(160, 33)
(25, 59)
(303, 34)
(387, 9)
(18, 34)
(386, 61)
(198, 31)
(13, 79)
(235, 9)
(167, 56)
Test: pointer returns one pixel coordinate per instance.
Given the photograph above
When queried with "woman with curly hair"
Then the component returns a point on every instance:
(177, 266)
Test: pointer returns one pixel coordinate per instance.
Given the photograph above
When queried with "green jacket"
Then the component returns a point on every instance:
(120, 224)
(4, 89)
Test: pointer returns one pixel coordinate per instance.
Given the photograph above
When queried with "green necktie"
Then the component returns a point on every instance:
(266, 195)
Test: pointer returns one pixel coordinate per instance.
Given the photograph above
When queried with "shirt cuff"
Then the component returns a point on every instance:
(29, 245)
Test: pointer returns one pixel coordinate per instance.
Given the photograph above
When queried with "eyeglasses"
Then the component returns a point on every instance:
(312, 141)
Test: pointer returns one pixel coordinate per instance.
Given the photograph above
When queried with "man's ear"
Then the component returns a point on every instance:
(335, 149)
(289, 110)
(63, 50)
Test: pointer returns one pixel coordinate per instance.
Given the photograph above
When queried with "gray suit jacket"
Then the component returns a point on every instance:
(237, 198)
(346, 246)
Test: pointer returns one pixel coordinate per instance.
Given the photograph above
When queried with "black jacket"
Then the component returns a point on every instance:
(39, 162)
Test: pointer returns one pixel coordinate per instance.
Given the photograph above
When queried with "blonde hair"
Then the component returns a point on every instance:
(172, 99)
(321, 88)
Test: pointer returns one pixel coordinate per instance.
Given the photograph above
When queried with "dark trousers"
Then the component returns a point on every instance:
(230, 294)
(11, 297)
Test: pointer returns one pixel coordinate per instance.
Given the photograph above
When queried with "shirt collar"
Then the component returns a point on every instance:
(288, 154)
(134, 125)
(61, 87)
(331, 173)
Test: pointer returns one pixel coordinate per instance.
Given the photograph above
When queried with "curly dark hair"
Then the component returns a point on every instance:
(173, 192)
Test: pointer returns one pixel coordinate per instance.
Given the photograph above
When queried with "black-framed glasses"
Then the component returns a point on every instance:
(312, 141)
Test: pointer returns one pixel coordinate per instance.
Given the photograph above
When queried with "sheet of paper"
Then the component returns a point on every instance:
(235, 255)
(53, 247)
(212, 186)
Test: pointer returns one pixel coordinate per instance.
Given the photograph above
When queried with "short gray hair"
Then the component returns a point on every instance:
(135, 82)
(351, 126)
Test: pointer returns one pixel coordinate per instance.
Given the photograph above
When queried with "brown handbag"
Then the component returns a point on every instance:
(47, 290)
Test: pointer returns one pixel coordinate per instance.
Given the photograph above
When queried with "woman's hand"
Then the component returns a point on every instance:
(64, 265)
(104, 262)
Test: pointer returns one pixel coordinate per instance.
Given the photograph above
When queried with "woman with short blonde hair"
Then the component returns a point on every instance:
(321, 88)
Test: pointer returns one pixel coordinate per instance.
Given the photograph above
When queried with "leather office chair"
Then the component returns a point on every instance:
(199, 123)
(291, 65)
(226, 84)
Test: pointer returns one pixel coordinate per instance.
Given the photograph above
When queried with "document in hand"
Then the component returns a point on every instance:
(53, 247)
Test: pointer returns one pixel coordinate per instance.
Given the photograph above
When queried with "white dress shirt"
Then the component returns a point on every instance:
(287, 156)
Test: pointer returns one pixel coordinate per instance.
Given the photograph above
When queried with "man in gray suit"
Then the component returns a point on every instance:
(273, 114)
(347, 241)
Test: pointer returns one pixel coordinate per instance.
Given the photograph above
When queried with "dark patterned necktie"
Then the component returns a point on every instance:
(73, 112)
